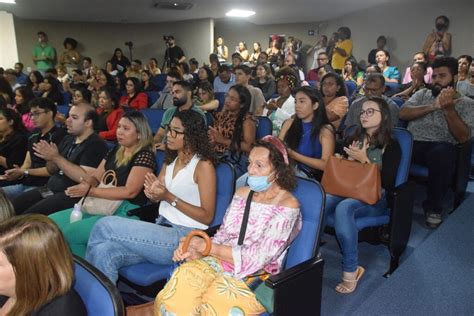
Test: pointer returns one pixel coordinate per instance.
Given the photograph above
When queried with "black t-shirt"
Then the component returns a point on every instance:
(143, 158)
(101, 125)
(54, 135)
(175, 54)
(89, 153)
(68, 304)
(14, 150)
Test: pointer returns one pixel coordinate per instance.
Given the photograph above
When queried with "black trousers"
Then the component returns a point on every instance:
(440, 159)
(33, 202)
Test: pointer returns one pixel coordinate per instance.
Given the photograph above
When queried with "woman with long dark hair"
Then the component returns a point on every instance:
(34, 80)
(109, 112)
(186, 187)
(372, 142)
(335, 98)
(309, 135)
(134, 98)
(23, 96)
(51, 89)
(13, 141)
(119, 61)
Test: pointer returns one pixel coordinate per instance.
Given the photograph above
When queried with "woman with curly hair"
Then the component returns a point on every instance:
(186, 190)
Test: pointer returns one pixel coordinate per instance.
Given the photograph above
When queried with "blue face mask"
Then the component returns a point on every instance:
(259, 183)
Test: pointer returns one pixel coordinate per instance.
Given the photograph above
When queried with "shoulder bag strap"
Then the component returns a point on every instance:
(243, 227)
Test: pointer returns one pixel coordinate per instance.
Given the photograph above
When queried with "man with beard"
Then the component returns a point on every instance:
(439, 118)
(182, 93)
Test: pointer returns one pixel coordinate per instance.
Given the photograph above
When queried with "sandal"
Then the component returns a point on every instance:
(343, 288)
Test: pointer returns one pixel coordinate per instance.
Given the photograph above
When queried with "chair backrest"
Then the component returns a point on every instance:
(311, 196)
(67, 97)
(264, 127)
(99, 295)
(209, 119)
(220, 96)
(152, 97)
(351, 87)
(154, 117)
(405, 139)
(159, 81)
(225, 175)
(160, 159)
(63, 109)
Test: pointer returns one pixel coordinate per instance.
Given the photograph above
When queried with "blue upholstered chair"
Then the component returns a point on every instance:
(152, 97)
(67, 97)
(143, 275)
(63, 109)
(154, 117)
(99, 295)
(351, 87)
(264, 127)
(220, 96)
(159, 81)
(396, 222)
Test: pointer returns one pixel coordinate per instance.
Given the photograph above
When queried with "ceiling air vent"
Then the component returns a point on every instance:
(170, 5)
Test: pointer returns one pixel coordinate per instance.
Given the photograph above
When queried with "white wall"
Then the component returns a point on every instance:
(98, 40)
(406, 27)
(9, 51)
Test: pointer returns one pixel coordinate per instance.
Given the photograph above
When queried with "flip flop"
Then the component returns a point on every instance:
(343, 289)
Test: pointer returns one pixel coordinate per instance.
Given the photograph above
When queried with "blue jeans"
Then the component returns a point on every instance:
(346, 211)
(12, 191)
(116, 242)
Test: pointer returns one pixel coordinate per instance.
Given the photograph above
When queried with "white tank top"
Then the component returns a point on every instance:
(184, 187)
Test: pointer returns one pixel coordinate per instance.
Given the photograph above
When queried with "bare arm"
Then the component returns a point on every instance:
(248, 129)
(456, 125)
(210, 106)
(409, 113)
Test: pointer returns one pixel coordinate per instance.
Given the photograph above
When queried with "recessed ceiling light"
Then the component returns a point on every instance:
(8, 1)
(240, 13)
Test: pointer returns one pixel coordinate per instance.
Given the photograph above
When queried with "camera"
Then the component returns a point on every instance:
(129, 44)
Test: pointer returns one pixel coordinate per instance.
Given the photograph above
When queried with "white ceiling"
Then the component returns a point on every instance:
(142, 11)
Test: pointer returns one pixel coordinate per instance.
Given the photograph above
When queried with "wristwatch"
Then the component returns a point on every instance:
(173, 204)
(26, 173)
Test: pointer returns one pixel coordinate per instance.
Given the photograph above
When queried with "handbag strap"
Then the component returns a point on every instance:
(245, 219)
(109, 174)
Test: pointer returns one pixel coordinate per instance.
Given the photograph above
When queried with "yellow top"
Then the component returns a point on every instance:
(338, 61)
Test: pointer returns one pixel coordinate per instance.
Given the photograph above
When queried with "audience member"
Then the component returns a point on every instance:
(206, 98)
(44, 55)
(361, 79)
(265, 81)
(224, 80)
(213, 65)
(153, 67)
(63, 75)
(438, 42)
(10, 75)
(257, 49)
(32, 172)
(322, 60)
(275, 48)
(185, 70)
(78, 154)
(205, 75)
(135, 98)
(439, 118)
(243, 51)
(350, 71)
(174, 54)
(371, 143)
(464, 84)
(282, 107)
(374, 86)
(262, 58)
(221, 50)
(70, 58)
(193, 66)
(6, 209)
(131, 160)
(334, 94)
(237, 60)
(264, 245)
(109, 113)
(309, 135)
(135, 69)
(419, 57)
(21, 77)
(321, 46)
(148, 85)
(242, 77)
(87, 66)
(35, 78)
(119, 61)
(13, 140)
(37, 269)
(186, 187)
(165, 101)
(23, 96)
(418, 71)
(50, 88)
(342, 49)
(390, 73)
(381, 42)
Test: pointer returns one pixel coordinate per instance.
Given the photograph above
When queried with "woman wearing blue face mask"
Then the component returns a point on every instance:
(273, 222)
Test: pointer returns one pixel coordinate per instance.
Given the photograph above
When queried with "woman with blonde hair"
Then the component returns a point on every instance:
(131, 160)
(6, 207)
(36, 269)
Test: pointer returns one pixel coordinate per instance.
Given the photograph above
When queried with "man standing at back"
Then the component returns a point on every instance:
(174, 54)
(44, 55)
(439, 118)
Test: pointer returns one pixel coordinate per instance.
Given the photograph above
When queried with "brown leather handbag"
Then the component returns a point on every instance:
(147, 309)
(352, 179)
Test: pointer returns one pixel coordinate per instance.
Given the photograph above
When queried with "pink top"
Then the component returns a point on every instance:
(28, 122)
(407, 77)
(270, 230)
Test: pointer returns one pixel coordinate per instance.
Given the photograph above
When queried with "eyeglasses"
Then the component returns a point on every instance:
(173, 133)
(369, 112)
(37, 114)
(322, 59)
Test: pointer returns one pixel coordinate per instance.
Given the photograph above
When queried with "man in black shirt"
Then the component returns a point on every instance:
(78, 155)
(174, 54)
(33, 172)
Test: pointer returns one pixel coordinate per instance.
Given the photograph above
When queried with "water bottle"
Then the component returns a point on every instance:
(76, 214)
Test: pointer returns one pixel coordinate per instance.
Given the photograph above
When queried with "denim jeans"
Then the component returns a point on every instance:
(346, 210)
(116, 242)
(12, 191)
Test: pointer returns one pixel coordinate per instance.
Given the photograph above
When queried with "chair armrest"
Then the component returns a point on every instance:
(401, 208)
(297, 291)
(147, 213)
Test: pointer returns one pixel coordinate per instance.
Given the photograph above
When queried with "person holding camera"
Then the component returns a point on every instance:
(174, 54)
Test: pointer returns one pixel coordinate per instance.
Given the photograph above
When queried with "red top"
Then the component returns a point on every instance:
(138, 103)
(112, 121)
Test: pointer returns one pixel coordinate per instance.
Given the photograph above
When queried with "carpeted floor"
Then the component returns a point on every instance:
(375, 259)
